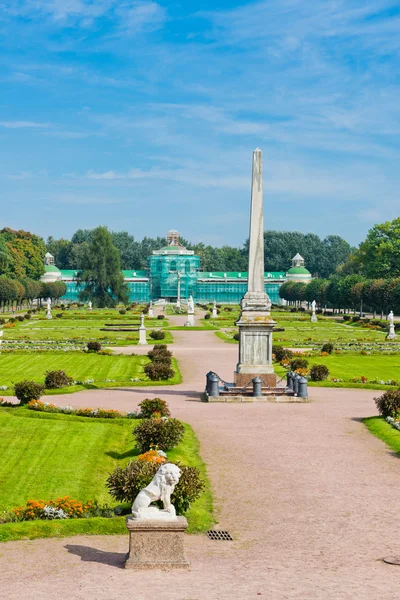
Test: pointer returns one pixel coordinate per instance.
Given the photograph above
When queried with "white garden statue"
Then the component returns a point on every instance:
(161, 488)
(190, 305)
(313, 315)
(90, 305)
(48, 309)
(392, 334)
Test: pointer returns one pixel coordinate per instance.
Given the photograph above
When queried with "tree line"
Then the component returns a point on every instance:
(20, 293)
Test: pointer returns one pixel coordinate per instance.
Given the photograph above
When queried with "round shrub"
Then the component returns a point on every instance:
(388, 404)
(2, 321)
(207, 316)
(281, 353)
(59, 315)
(163, 433)
(159, 353)
(159, 371)
(328, 347)
(156, 334)
(20, 318)
(93, 346)
(124, 484)
(299, 363)
(293, 310)
(236, 337)
(12, 320)
(160, 317)
(122, 311)
(56, 379)
(319, 373)
(153, 405)
(28, 390)
(27, 316)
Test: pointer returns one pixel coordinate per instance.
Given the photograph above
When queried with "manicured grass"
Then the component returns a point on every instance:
(385, 432)
(118, 368)
(225, 337)
(45, 456)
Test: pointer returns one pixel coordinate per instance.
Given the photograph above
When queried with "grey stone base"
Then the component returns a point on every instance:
(277, 399)
(156, 544)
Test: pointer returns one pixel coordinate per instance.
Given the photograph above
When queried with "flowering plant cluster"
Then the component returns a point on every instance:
(61, 508)
(361, 379)
(393, 422)
(99, 413)
(303, 372)
(153, 456)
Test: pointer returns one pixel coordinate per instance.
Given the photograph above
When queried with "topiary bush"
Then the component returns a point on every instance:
(207, 316)
(159, 371)
(298, 363)
(27, 316)
(20, 318)
(122, 311)
(59, 315)
(328, 347)
(93, 346)
(281, 353)
(236, 337)
(160, 317)
(319, 373)
(159, 353)
(153, 405)
(28, 390)
(124, 484)
(56, 379)
(388, 404)
(156, 334)
(163, 433)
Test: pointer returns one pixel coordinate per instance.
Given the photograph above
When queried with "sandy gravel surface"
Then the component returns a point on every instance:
(310, 497)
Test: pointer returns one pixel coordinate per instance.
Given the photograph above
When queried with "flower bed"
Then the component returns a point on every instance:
(95, 413)
(61, 508)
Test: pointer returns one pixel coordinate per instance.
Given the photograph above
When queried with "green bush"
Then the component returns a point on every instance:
(27, 316)
(236, 337)
(56, 379)
(159, 371)
(319, 373)
(328, 347)
(281, 353)
(59, 315)
(12, 320)
(299, 363)
(20, 318)
(93, 346)
(153, 405)
(2, 321)
(160, 317)
(159, 353)
(162, 433)
(156, 334)
(124, 484)
(28, 390)
(207, 316)
(388, 404)
(122, 311)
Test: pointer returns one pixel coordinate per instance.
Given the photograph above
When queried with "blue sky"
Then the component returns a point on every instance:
(143, 115)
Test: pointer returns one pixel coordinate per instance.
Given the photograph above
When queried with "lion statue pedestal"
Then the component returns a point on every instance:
(156, 536)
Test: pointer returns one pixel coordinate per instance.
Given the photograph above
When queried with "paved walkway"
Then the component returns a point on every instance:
(309, 495)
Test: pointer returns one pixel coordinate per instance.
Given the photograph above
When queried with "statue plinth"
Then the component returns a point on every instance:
(156, 544)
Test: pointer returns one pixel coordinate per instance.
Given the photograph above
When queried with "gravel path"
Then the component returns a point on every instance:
(308, 494)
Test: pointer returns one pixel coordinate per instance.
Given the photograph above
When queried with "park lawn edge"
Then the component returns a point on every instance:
(228, 340)
(384, 431)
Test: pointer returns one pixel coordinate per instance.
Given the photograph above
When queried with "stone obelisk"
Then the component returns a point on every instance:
(255, 322)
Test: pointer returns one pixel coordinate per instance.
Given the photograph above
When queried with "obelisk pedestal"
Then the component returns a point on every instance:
(255, 322)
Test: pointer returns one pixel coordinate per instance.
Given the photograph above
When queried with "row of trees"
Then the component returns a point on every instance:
(21, 292)
(21, 254)
(322, 257)
(344, 293)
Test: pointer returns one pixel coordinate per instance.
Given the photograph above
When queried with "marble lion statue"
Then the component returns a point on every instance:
(160, 488)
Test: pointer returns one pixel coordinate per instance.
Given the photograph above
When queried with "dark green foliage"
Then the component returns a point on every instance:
(27, 316)
(328, 347)
(160, 317)
(28, 390)
(20, 318)
(153, 405)
(93, 346)
(122, 311)
(56, 379)
(2, 321)
(164, 434)
(124, 484)
(236, 336)
(159, 371)
(207, 316)
(299, 363)
(59, 315)
(281, 353)
(160, 353)
(388, 404)
(319, 373)
(157, 335)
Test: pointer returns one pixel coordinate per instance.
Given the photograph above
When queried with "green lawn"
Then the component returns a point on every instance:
(385, 432)
(120, 369)
(44, 456)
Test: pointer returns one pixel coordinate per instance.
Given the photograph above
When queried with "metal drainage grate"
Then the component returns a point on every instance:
(216, 534)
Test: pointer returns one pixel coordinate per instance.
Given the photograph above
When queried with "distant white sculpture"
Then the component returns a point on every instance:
(142, 332)
(313, 315)
(392, 334)
(190, 321)
(48, 310)
(178, 300)
(214, 310)
(151, 311)
(90, 305)
(161, 488)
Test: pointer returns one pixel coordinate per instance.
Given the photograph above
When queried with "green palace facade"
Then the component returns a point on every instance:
(174, 271)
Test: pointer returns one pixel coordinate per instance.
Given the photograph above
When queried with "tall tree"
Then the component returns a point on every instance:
(26, 253)
(101, 279)
(379, 255)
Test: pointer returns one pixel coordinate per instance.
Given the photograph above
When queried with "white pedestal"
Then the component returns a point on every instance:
(142, 336)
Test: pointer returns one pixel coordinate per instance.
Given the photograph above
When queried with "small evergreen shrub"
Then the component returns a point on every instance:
(236, 337)
(293, 309)
(93, 346)
(59, 315)
(159, 353)
(207, 316)
(319, 373)
(122, 311)
(124, 484)
(299, 363)
(157, 335)
(26, 391)
(2, 321)
(159, 371)
(388, 404)
(164, 434)
(281, 353)
(328, 347)
(153, 405)
(160, 317)
(12, 320)
(20, 318)
(56, 379)
(27, 316)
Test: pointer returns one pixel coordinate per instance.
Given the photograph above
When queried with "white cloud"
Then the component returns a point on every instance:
(24, 125)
